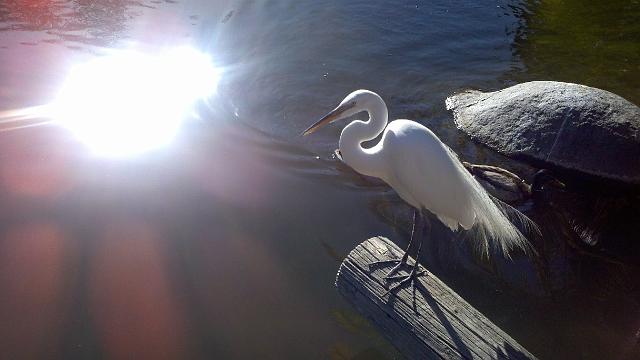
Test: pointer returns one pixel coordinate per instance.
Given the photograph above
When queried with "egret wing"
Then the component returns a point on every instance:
(425, 170)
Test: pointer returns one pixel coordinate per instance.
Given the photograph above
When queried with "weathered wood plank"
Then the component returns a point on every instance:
(435, 323)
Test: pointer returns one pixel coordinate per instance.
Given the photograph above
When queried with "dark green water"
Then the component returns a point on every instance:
(226, 243)
(596, 43)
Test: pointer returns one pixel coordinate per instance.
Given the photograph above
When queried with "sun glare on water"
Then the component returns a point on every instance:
(130, 102)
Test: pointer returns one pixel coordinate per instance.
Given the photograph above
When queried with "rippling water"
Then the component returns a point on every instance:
(226, 243)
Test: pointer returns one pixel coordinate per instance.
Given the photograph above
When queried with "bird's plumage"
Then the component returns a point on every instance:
(409, 159)
(424, 172)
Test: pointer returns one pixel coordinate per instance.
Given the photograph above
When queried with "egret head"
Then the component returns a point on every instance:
(354, 103)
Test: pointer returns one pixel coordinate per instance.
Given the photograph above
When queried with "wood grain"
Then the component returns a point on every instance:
(433, 323)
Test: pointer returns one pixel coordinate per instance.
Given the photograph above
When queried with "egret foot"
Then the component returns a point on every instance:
(415, 233)
(397, 277)
(395, 269)
(405, 279)
(400, 262)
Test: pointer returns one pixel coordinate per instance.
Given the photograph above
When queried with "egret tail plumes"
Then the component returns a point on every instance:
(495, 227)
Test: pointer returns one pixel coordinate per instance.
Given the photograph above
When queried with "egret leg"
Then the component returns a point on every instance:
(415, 233)
(411, 278)
(417, 223)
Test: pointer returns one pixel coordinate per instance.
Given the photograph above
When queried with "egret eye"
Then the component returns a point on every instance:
(130, 102)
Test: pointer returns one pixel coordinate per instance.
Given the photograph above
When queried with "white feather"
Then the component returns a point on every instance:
(427, 174)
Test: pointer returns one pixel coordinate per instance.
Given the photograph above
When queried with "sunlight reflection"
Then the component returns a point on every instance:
(34, 260)
(130, 102)
(36, 166)
(132, 297)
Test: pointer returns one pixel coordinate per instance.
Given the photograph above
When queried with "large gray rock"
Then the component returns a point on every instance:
(561, 125)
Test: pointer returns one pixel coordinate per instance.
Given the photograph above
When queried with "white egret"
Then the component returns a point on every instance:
(425, 173)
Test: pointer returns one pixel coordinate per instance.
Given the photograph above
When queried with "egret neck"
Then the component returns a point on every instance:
(365, 161)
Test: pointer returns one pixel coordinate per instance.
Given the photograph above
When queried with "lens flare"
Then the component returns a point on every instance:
(130, 102)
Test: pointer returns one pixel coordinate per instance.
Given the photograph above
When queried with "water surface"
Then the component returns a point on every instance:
(226, 243)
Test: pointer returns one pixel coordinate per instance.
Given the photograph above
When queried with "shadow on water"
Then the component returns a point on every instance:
(508, 352)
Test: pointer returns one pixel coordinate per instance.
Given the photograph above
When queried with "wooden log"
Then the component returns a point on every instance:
(432, 324)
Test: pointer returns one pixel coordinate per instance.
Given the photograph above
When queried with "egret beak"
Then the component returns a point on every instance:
(338, 154)
(329, 118)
